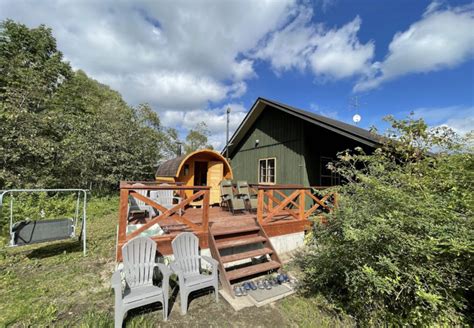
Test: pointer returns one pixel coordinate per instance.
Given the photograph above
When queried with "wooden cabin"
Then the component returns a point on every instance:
(280, 144)
(203, 167)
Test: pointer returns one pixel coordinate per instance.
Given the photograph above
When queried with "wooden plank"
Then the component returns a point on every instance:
(148, 201)
(302, 204)
(260, 205)
(183, 219)
(222, 272)
(205, 210)
(284, 196)
(270, 201)
(164, 215)
(253, 269)
(281, 228)
(215, 172)
(319, 201)
(274, 213)
(246, 255)
(156, 186)
(282, 205)
(221, 244)
(231, 231)
(123, 218)
(283, 187)
(274, 256)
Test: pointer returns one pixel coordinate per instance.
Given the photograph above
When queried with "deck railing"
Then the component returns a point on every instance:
(289, 201)
(177, 212)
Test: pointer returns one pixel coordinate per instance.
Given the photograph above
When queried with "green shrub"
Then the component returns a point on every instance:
(399, 249)
(44, 205)
(36, 206)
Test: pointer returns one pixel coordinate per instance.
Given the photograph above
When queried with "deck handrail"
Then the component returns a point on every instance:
(269, 205)
(129, 189)
(152, 185)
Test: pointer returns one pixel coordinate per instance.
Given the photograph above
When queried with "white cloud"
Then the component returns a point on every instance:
(458, 118)
(215, 119)
(180, 54)
(339, 54)
(441, 39)
(330, 53)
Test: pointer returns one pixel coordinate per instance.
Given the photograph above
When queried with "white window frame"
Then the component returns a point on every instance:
(266, 168)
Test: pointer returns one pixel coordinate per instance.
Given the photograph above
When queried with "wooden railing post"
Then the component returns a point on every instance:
(205, 211)
(270, 200)
(261, 195)
(301, 204)
(122, 228)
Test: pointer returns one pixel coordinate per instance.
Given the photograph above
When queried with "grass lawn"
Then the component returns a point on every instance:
(54, 285)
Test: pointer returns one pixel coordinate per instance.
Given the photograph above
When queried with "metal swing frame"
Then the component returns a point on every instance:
(75, 220)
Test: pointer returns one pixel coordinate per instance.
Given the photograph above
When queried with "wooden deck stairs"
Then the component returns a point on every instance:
(242, 249)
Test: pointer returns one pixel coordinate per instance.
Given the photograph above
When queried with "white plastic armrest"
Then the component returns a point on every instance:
(117, 286)
(212, 262)
(166, 272)
(177, 270)
(164, 269)
(116, 280)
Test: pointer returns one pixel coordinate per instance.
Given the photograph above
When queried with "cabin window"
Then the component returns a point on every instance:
(328, 177)
(267, 171)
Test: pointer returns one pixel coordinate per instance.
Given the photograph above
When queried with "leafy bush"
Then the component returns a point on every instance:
(36, 207)
(42, 205)
(399, 250)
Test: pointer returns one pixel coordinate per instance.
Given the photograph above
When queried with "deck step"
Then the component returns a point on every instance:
(232, 231)
(253, 269)
(246, 255)
(221, 244)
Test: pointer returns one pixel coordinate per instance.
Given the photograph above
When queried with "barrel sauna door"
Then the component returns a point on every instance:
(215, 173)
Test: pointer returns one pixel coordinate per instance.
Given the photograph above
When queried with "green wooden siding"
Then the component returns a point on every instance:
(296, 144)
(280, 136)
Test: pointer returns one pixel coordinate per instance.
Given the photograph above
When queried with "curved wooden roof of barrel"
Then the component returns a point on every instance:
(172, 167)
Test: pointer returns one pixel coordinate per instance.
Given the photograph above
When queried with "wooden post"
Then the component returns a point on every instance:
(205, 211)
(261, 194)
(336, 200)
(270, 200)
(301, 204)
(122, 230)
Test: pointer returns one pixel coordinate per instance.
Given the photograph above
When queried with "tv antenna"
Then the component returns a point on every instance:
(354, 104)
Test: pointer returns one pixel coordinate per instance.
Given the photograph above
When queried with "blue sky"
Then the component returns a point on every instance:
(449, 90)
(191, 59)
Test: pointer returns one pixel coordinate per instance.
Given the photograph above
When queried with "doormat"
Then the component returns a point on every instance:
(261, 296)
(257, 297)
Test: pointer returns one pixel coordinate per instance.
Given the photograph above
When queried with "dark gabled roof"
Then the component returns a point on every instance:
(170, 167)
(348, 130)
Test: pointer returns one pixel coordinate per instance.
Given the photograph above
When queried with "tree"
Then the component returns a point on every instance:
(197, 138)
(60, 128)
(399, 250)
(32, 70)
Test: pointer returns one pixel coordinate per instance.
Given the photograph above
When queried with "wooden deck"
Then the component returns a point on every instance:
(281, 211)
(220, 218)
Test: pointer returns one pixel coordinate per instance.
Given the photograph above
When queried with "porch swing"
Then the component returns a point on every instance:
(27, 232)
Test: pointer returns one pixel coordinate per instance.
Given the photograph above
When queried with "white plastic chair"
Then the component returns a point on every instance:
(139, 204)
(138, 268)
(165, 197)
(187, 267)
